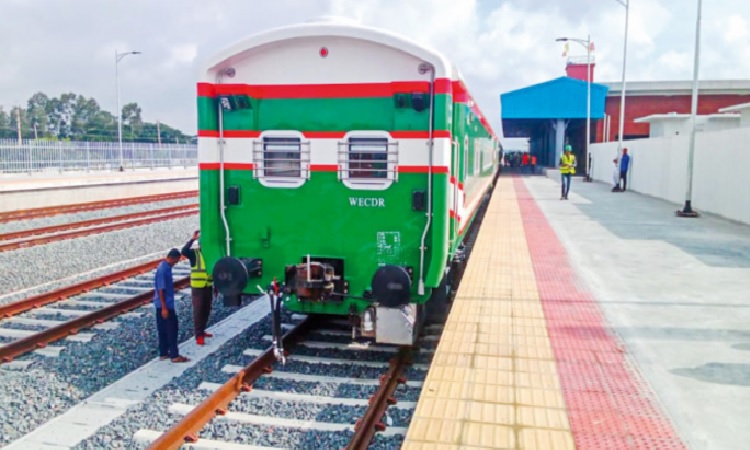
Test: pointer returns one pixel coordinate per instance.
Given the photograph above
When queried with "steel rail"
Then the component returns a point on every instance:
(92, 222)
(37, 301)
(370, 423)
(88, 231)
(185, 431)
(70, 327)
(49, 211)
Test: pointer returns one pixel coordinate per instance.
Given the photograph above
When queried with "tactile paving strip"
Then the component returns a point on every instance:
(609, 404)
(493, 382)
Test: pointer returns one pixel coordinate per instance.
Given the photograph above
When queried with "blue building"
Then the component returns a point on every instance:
(552, 114)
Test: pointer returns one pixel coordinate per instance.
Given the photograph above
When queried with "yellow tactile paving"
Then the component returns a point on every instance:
(493, 381)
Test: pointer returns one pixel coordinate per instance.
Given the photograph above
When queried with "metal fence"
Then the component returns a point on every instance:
(48, 156)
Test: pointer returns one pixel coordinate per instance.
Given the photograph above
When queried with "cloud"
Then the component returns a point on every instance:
(66, 46)
(499, 45)
(735, 30)
(676, 61)
(181, 55)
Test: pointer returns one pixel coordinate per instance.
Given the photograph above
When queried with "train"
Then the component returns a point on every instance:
(340, 167)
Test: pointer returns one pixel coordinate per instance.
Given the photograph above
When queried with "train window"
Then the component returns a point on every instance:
(368, 160)
(281, 157)
(466, 158)
(477, 155)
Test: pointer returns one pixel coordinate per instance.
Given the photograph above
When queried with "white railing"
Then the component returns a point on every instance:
(44, 156)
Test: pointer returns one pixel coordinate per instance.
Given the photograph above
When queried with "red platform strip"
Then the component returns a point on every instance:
(609, 405)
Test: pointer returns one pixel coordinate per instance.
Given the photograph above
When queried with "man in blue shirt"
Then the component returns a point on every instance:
(624, 164)
(166, 318)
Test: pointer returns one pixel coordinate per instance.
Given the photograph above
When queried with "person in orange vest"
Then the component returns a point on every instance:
(524, 162)
(567, 170)
(533, 163)
(201, 287)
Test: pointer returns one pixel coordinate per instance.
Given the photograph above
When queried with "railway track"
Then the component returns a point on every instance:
(37, 301)
(21, 239)
(376, 372)
(36, 213)
(248, 404)
(22, 331)
(93, 222)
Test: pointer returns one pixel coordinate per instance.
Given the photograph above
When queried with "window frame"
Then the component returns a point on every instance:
(364, 183)
(259, 159)
(466, 157)
(477, 156)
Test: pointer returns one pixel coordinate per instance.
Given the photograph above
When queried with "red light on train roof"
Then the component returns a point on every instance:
(323, 52)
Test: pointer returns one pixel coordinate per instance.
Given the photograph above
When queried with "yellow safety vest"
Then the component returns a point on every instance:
(567, 160)
(199, 278)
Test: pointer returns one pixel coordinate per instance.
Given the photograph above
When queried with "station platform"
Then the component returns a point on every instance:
(23, 191)
(600, 322)
(57, 180)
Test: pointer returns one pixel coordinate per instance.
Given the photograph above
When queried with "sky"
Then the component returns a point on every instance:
(58, 46)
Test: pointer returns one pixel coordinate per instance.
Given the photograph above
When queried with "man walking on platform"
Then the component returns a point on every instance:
(166, 317)
(624, 164)
(567, 170)
(201, 286)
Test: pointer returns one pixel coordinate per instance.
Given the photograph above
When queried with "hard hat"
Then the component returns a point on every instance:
(568, 148)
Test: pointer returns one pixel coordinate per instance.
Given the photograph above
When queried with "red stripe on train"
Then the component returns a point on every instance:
(408, 134)
(331, 90)
(321, 167)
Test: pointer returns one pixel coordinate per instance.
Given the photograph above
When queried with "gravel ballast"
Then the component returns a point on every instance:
(51, 385)
(62, 219)
(33, 266)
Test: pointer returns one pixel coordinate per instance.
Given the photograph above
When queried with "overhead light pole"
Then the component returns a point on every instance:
(118, 58)
(587, 44)
(687, 210)
(626, 4)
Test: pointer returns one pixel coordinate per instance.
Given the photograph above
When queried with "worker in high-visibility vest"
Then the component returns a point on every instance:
(201, 287)
(567, 170)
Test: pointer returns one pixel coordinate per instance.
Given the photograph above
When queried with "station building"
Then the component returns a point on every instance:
(553, 113)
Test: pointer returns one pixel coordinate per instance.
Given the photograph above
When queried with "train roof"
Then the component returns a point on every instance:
(328, 26)
(335, 26)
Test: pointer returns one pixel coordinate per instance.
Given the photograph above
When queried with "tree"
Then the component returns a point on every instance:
(131, 117)
(16, 113)
(131, 114)
(102, 127)
(61, 115)
(73, 116)
(36, 110)
(84, 110)
(4, 124)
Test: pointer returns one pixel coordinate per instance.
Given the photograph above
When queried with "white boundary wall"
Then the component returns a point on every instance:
(721, 172)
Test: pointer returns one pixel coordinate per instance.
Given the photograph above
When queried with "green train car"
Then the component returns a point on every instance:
(341, 164)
